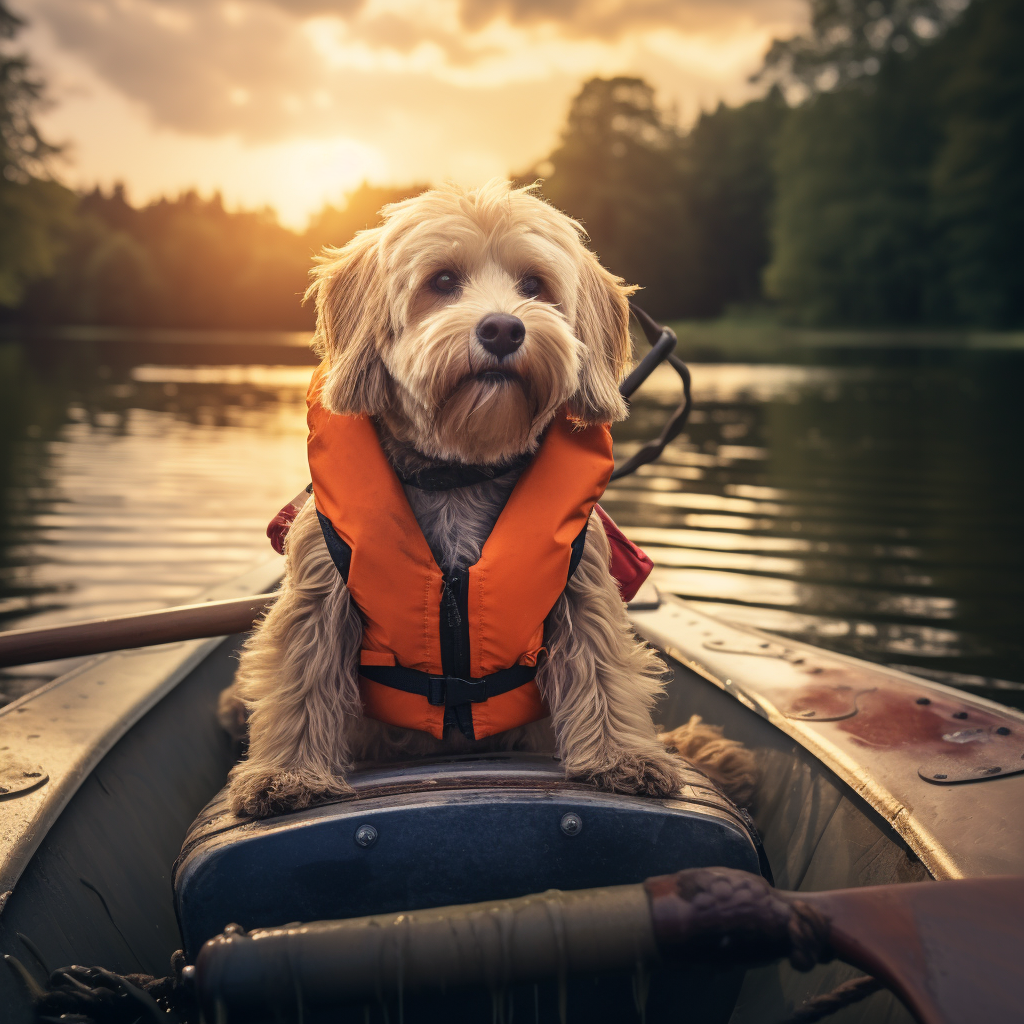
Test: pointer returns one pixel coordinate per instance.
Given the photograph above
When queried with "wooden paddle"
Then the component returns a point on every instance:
(143, 629)
(949, 950)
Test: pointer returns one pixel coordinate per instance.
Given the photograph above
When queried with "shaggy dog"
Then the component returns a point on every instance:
(461, 326)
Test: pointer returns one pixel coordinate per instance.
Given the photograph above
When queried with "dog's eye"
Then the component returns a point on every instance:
(445, 282)
(530, 287)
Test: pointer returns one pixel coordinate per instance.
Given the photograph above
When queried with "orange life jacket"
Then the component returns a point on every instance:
(466, 642)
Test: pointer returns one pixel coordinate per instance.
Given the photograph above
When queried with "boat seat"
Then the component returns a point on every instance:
(441, 832)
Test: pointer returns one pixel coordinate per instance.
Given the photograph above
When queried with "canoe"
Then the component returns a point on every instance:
(116, 850)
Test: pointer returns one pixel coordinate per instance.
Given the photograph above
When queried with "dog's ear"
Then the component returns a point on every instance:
(602, 324)
(353, 323)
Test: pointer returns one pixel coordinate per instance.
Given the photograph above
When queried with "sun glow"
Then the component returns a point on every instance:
(290, 105)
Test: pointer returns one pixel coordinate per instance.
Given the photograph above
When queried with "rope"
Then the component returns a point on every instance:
(93, 995)
(808, 936)
(842, 996)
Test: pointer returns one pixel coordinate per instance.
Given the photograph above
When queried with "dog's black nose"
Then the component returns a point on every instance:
(500, 333)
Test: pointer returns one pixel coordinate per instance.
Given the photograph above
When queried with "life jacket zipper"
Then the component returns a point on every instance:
(454, 630)
(455, 626)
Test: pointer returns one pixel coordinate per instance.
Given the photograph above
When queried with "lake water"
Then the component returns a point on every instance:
(874, 509)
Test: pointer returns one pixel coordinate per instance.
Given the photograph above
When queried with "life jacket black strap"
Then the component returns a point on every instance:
(576, 552)
(449, 691)
(340, 552)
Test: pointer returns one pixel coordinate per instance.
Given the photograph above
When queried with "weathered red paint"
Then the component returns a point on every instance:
(825, 700)
(949, 740)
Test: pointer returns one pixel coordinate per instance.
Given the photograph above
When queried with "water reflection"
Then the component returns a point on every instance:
(131, 488)
(873, 510)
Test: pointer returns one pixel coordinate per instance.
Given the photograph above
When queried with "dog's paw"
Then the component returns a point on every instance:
(642, 773)
(261, 794)
(232, 714)
(729, 764)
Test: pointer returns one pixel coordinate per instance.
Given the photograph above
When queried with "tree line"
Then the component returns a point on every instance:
(876, 182)
(187, 262)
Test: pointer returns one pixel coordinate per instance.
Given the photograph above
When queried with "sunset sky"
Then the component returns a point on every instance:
(291, 102)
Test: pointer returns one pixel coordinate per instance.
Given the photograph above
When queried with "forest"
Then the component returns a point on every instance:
(875, 183)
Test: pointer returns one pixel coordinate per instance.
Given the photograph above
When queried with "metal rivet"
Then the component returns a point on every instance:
(1003, 731)
(366, 835)
(939, 776)
(571, 824)
(959, 714)
(923, 700)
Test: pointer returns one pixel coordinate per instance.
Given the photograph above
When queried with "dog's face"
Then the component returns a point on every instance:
(467, 319)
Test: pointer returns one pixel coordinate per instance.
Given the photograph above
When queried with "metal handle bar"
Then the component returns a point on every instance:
(663, 341)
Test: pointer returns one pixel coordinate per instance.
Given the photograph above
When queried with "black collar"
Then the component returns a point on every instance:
(446, 476)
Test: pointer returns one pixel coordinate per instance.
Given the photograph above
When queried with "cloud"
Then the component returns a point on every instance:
(610, 19)
(267, 69)
(404, 89)
(203, 67)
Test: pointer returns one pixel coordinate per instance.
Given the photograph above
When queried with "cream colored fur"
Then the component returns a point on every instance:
(409, 358)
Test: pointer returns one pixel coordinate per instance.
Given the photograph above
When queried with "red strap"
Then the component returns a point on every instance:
(630, 566)
(279, 527)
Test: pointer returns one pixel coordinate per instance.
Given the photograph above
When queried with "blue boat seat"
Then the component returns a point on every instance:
(441, 832)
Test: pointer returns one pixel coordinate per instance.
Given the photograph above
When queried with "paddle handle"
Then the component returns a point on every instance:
(925, 941)
(143, 629)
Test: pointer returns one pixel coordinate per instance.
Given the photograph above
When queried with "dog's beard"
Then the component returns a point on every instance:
(487, 419)
(460, 404)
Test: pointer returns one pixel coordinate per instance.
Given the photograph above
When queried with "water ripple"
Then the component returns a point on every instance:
(873, 510)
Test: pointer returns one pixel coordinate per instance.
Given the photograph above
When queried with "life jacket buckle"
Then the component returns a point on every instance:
(450, 691)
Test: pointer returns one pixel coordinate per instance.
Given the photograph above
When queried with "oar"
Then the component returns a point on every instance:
(143, 629)
(950, 950)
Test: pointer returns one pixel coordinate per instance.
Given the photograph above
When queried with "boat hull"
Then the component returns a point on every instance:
(88, 857)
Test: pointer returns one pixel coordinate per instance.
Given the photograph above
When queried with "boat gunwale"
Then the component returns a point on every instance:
(932, 840)
(70, 746)
(25, 818)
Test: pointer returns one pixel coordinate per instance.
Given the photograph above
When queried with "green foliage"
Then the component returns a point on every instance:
(33, 209)
(852, 241)
(32, 215)
(617, 171)
(184, 262)
(849, 39)
(683, 215)
(730, 186)
(978, 181)
(188, 262)
(902, 202)
(892, 195)
(23, 152)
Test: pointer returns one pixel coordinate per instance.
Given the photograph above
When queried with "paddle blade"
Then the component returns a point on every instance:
(951, 950)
